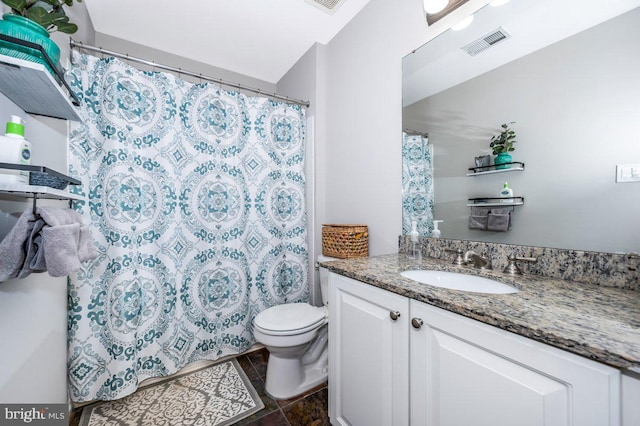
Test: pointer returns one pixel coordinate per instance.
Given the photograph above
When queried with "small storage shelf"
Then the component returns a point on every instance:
(495, 202)
(28, 191)
(516, 166)
(32, 87)
(38, 191)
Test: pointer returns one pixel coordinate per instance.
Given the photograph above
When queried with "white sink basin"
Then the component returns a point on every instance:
(456, 281)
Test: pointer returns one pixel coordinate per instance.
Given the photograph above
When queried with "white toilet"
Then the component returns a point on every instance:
(295, 335)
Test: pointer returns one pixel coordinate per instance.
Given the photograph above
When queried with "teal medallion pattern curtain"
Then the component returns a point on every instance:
(196, 198)
(417, 184)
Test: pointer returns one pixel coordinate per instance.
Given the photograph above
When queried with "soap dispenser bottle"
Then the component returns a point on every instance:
(15, 149)
(436, 231)
(414, 251)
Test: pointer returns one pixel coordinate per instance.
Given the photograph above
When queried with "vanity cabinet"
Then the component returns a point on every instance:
(431, 367)
(368, 355)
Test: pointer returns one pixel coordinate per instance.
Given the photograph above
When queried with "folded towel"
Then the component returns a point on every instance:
(480, 211)
(502, 210)
(11, 248)
(478, 222)
(500, 219)
(61, 249)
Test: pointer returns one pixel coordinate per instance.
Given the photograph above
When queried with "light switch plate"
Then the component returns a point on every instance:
(627, 173)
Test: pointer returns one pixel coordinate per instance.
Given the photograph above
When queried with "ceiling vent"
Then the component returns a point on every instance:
(483, 43)
(329, 6)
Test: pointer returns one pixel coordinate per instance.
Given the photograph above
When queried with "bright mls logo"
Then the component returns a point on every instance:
(42, 415)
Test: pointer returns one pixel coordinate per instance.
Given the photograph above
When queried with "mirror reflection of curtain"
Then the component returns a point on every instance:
(417, 183)
(195, 196)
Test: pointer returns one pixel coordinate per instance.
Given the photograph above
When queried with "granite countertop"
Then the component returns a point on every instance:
(601, 323)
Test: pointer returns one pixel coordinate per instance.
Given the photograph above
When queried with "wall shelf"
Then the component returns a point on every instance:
(38, 191)
(516, 166)
(495, 202)
(28, 191)
(32, 87)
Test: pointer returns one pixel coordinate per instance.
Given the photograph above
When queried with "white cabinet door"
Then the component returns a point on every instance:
(368, 355)
(464, 372)
(630, 399)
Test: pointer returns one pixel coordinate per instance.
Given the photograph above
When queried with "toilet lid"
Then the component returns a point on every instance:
(290, 317)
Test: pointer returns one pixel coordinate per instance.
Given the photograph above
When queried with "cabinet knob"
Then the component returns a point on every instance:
(417, 323)
(394, 315)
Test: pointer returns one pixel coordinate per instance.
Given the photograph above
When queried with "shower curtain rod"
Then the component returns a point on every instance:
(80, 45)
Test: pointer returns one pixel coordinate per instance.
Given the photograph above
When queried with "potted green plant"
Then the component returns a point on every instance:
(502, 145)
(32, 21)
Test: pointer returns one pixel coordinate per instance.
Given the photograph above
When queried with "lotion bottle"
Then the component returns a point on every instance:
(15, 149)
(506, 192)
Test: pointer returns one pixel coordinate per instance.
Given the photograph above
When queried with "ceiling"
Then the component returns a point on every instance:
(257, 38)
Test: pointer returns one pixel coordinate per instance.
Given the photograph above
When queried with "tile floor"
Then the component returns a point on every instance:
(309, 409)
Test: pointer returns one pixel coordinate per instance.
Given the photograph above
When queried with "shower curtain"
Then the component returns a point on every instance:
(196, 200)
(417, 184)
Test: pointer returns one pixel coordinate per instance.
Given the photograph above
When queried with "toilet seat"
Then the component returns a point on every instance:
(290, 319)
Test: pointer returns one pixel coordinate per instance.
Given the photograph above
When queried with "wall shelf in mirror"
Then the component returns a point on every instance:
(33, 88)
(495, 202)
(516, 166)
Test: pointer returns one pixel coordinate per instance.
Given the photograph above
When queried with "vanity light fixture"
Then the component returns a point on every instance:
(463, 24)
(435, 6)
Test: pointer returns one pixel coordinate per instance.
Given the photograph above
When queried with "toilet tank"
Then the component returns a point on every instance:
(324, 278)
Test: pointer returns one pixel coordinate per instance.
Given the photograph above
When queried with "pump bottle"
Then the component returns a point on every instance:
(414, 251)
(14, 149)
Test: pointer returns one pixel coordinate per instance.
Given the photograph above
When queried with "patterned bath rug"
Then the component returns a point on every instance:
(214, 396)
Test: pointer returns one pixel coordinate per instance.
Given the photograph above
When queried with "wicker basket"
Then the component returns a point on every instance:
(345, 241)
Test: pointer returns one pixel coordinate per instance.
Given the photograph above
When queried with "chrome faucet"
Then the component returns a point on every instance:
(478, 261)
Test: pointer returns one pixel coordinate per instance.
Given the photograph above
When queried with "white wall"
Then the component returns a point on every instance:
(364, 115)
(577, 110)
(306, 80)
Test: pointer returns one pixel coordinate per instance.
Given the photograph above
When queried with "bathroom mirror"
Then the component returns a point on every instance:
(566, 73)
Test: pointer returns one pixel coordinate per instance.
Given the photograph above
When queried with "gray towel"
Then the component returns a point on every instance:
(53, 240)
(478, 218)
(12, 253)
(34, 253)
(478, 222)
(480, 211)
(67, 242)
(61, 249)
(86, 248)
(57, 217)
(500, 219)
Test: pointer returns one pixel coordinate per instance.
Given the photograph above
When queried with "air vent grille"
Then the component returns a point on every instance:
(483, 43)
(329, 6)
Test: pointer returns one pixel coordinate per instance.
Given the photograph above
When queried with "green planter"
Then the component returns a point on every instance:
(500, 161)
(25, 29)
